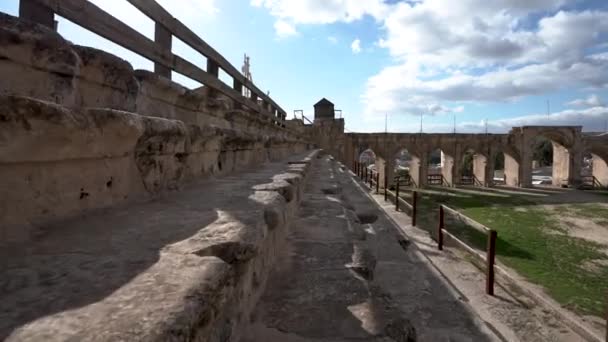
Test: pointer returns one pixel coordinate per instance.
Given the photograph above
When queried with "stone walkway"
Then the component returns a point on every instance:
(513, 315)
(345, 276)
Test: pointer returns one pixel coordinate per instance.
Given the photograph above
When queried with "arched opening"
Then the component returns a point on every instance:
(499, 169)
(473, 168)
(467, 176)
(594, 171)
(542, 161)
(439, 170)
(367, 158)
(407, 168)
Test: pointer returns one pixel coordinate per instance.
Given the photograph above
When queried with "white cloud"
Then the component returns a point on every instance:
(322, 11)
(467, 51)
(356, 46)
(591, 119)
(284, 29)
(332, 39)
(485, 58)
(592, 101)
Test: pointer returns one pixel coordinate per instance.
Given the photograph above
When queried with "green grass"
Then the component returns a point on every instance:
(530, 241)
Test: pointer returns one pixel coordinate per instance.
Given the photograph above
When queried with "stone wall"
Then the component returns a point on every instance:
(80, 130)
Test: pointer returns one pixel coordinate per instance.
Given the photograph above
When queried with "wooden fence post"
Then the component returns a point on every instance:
(440, 229)
(385, 184)
(377, 182)
(414, 207)
(365, 174)
(397, 195)
(371, 180)
(162, 38)
(490, 258)
(213, 69)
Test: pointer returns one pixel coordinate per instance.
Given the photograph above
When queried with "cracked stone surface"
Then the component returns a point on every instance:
(339, 279)
(186, 266)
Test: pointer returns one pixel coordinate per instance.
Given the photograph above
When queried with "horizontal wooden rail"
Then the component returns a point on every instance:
(161, 16)
(96, 20)
(467, 220)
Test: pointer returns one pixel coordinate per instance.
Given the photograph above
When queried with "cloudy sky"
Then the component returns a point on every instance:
(510, 62)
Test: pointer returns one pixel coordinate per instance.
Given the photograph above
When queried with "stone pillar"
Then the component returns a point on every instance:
(600, 170)
(480, 168)
(576, 166)
(567, 165)
(380, 165)
(525, 168)
(423, 170)
(490, 169)
(512, 171)
(447, 169)
(561, 165)
(390, 171)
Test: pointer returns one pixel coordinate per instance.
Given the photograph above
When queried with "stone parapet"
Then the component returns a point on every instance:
(188, 266)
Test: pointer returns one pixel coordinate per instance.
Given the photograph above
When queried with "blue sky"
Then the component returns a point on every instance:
(470, 60)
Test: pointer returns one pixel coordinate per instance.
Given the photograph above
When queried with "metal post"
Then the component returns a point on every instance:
(414, 207)
(377, 182)
(365, 174)
(490, 261)
(397, 195)
(440, 229)
(371, 180)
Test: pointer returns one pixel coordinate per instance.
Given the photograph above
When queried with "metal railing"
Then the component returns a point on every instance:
(96, 20)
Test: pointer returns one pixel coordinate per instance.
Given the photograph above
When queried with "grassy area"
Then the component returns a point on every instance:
(531, 241)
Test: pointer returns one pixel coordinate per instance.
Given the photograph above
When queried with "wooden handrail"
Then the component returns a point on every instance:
(96, 20)
(157, 13)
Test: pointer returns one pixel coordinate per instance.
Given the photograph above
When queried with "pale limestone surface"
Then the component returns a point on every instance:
(187, 266)
(339, 279)
(81, 130)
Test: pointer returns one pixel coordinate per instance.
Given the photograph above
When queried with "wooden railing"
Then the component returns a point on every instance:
(591, 182)
(94, 19)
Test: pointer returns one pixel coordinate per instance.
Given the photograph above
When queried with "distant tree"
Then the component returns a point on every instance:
(499, 162)
(467, 164)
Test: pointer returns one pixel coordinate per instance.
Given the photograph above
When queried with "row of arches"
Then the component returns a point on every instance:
(549, 163)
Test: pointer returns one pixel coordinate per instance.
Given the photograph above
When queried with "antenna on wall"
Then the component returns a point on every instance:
(246, 69)
(385, 123)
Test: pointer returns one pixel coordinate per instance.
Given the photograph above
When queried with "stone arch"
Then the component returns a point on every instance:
(595, 172)
(412, 165)
(439, 166)
(566, 148)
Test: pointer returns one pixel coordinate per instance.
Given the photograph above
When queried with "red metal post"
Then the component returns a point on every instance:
(440, 229)
(414, 207)
(397, 195)
(490, 258)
